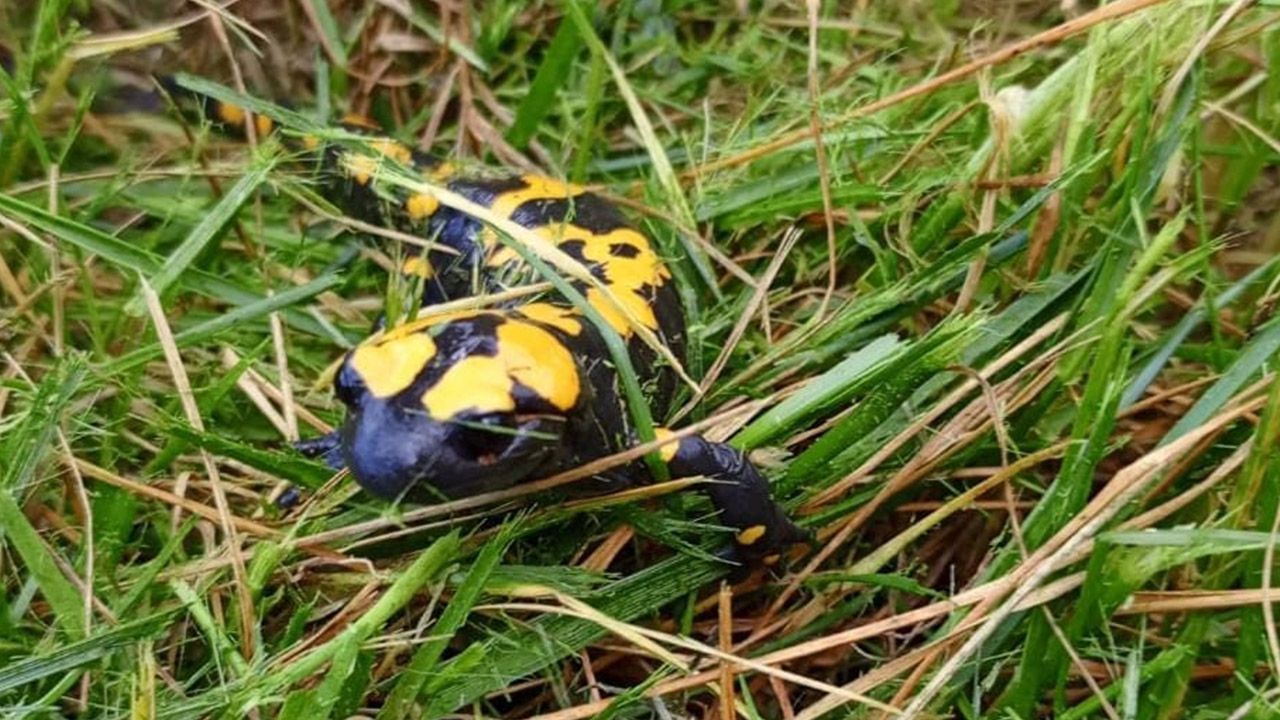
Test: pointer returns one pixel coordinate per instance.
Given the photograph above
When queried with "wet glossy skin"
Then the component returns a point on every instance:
(472, 404)
(480, 401)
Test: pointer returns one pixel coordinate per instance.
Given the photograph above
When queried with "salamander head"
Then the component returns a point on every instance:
(462, 407)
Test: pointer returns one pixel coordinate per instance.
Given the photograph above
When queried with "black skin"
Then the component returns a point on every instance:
(395, 449)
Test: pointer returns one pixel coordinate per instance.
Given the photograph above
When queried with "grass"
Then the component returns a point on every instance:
(1027, 405)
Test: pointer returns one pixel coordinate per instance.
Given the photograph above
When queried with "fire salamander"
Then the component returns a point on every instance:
(476, 401)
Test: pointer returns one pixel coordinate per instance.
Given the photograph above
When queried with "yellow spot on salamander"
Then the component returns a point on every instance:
(443, 171)
(361, 167)
(536, 187)
(632, 301)
(235, 115)
(473, 383)
(230, 114)
(496, 254)
(539, 361)
(627, 276)
(668, 451)
(628, 273)
(360, 121)
(643, 267)
(422, 205)
(502, 256)
(421, 324)
(390, 366)
(557, 316)
(397, 151)
(527, 354)
(751, 535)
(418, 266)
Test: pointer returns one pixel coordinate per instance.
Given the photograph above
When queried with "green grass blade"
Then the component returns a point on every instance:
(296, 121)
(210, 228)
(232, 319)
(822, 394)
(285, 464)
(27, 444)
(129, 257)
(1255, 355)
(214, 632)
(1188, 323)
(414, 676)
(519, 653)
(64, 599)
(329, 26)
(25, 449)
(82, 652)
(551, 76)
(890, 385)
(424, 568)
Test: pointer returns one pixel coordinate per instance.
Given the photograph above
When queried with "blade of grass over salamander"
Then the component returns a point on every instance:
(296, 121)
(675, 201)
(637, 403)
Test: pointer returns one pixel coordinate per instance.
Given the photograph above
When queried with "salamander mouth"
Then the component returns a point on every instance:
(484, 459)
(393, 454)
(534, 435)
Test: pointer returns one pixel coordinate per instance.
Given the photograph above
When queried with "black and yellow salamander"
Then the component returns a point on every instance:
(475, 401)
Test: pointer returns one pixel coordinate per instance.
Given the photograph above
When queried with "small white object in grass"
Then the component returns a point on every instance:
(1011, 106)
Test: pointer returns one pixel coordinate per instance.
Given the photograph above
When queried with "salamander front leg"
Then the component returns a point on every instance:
(326, 447)
(762, 530)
